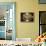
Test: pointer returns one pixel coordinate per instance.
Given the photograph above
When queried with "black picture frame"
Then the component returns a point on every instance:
(27, 17)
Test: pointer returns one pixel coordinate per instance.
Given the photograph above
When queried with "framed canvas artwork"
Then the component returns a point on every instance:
(27, 17)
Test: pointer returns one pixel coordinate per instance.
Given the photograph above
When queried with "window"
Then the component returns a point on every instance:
(42, 22)
(42, 1)
(7, 21)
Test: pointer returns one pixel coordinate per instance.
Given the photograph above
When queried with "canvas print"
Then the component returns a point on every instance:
(27, 17)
